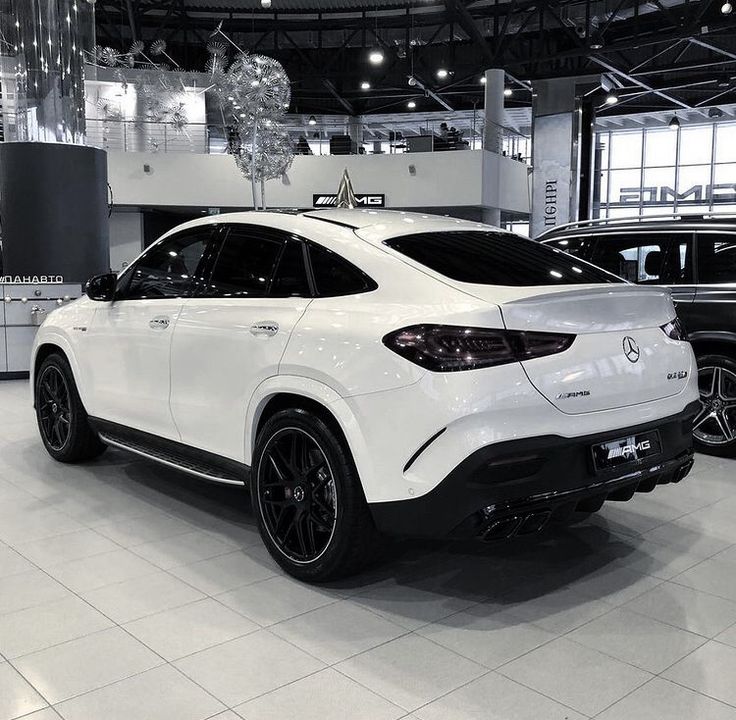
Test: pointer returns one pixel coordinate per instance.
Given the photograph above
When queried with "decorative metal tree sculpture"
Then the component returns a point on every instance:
(254, 93)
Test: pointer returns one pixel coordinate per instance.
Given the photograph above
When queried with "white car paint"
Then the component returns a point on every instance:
(205, 378)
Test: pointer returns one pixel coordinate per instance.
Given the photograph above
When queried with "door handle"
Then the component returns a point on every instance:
(266, 327)
(160, 322)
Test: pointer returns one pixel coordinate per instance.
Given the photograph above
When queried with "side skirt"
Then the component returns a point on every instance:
(201, 464)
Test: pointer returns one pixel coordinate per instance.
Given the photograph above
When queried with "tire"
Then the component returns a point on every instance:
(62, 420)
(308, 499)
(717, 419)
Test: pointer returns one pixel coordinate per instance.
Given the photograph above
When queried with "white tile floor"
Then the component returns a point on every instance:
(130, 591)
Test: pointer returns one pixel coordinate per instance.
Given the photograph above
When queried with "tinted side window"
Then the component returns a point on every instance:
(333, 275)
(290, 279)
(579, 247)
(646, 258)
(495, 258)
(716, 258)
(167, 269)
(245, 265)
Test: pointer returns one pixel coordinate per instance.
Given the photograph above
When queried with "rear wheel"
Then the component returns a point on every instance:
(714, 429)
(62, 420)
(307, 495)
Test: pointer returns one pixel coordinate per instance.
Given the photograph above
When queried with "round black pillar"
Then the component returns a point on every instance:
(53, 206)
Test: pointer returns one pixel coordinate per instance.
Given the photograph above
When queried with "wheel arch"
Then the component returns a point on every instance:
(282, 392)
(46, 346)
(714, 343)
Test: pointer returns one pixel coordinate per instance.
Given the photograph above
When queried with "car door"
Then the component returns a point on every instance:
(129, 339)
(714, 310)
(232, 334)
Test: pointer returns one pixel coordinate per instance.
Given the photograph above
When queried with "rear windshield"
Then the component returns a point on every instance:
(494, 258)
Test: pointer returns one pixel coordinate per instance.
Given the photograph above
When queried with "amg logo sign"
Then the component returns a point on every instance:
(361, 200)
(653, 195)
(629, 450)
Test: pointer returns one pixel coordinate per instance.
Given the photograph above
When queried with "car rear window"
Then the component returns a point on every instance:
(494, 258)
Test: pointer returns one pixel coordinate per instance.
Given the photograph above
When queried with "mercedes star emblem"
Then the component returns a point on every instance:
(631, 349)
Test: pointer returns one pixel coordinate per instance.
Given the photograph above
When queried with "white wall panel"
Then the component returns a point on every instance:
(442, 179)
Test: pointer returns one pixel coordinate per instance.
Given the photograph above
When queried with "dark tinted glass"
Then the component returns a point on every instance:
(491, 258)
(716, 258)
(646, 258)
(579, 247)
(333, 275)
(245, 265)
(166, 270)
(291, 275)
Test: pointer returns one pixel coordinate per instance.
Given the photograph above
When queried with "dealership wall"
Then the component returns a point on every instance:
(461, 178)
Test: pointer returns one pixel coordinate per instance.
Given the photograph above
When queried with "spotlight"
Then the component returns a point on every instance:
(412, 81)
(611, 99)
(596, 45)
(674, 123)
(312, 120)
(715, 112)
(727, 8)
(508, 92)
(265, 4)
(365, 85)
(411, 104)
(375, 56)
(442, 73)
(482, 79)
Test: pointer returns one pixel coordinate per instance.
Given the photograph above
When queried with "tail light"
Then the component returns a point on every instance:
(675, 329)
(448, 348)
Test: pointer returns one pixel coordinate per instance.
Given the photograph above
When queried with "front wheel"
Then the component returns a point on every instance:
(714, 429)
(308, 499)
(62, 419)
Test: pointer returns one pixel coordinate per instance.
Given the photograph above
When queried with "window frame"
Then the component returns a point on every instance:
(598, 238)
(203, 269)
(269, 233)
(371, 284)
(703, 232)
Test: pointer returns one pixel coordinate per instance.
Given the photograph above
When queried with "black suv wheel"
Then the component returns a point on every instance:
(714, 429)
(62, 419)
(308, 499)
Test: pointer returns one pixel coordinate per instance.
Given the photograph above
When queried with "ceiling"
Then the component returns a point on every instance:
(657, 55)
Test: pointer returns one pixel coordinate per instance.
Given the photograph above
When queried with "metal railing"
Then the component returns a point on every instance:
(323, 138)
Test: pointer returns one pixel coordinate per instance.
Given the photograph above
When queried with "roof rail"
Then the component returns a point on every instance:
(680, 217)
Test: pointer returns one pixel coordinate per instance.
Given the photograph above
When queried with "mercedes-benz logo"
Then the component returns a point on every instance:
(631, 349)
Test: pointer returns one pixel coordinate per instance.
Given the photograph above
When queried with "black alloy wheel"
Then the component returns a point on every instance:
(54, 408)
(297, 495)
(63, 422)
(714, 428)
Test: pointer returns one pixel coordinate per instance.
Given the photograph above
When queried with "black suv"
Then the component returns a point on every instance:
(695, 257)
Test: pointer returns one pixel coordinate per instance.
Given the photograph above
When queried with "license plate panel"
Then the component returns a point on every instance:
(626, 451)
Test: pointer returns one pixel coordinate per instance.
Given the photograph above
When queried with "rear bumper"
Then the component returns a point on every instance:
(514, 487)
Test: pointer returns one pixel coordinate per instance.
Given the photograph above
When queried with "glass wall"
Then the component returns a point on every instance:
(651, 171)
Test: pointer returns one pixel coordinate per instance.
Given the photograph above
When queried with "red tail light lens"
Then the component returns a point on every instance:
(675, 329)
(448, 348)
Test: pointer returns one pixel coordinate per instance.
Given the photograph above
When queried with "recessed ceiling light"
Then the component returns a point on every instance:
(611, 99)
(411, 104)
(442, 73)
(482, 79)
(265, 4)
(375, 56)
(727, 8)
(508, 92)
(365, 85)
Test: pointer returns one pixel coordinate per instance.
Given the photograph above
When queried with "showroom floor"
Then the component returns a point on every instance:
(130, 591)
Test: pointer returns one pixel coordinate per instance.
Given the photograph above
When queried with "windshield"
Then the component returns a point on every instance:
(496, 258)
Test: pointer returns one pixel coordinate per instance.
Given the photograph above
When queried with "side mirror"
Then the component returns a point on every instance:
(102, 287)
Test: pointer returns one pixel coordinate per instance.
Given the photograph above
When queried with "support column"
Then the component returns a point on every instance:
(493, 103)
(561, 140)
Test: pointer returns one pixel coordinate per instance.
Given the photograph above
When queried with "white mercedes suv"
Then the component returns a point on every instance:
(373, 371)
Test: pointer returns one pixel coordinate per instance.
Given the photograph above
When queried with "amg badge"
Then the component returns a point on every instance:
(571, 395)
